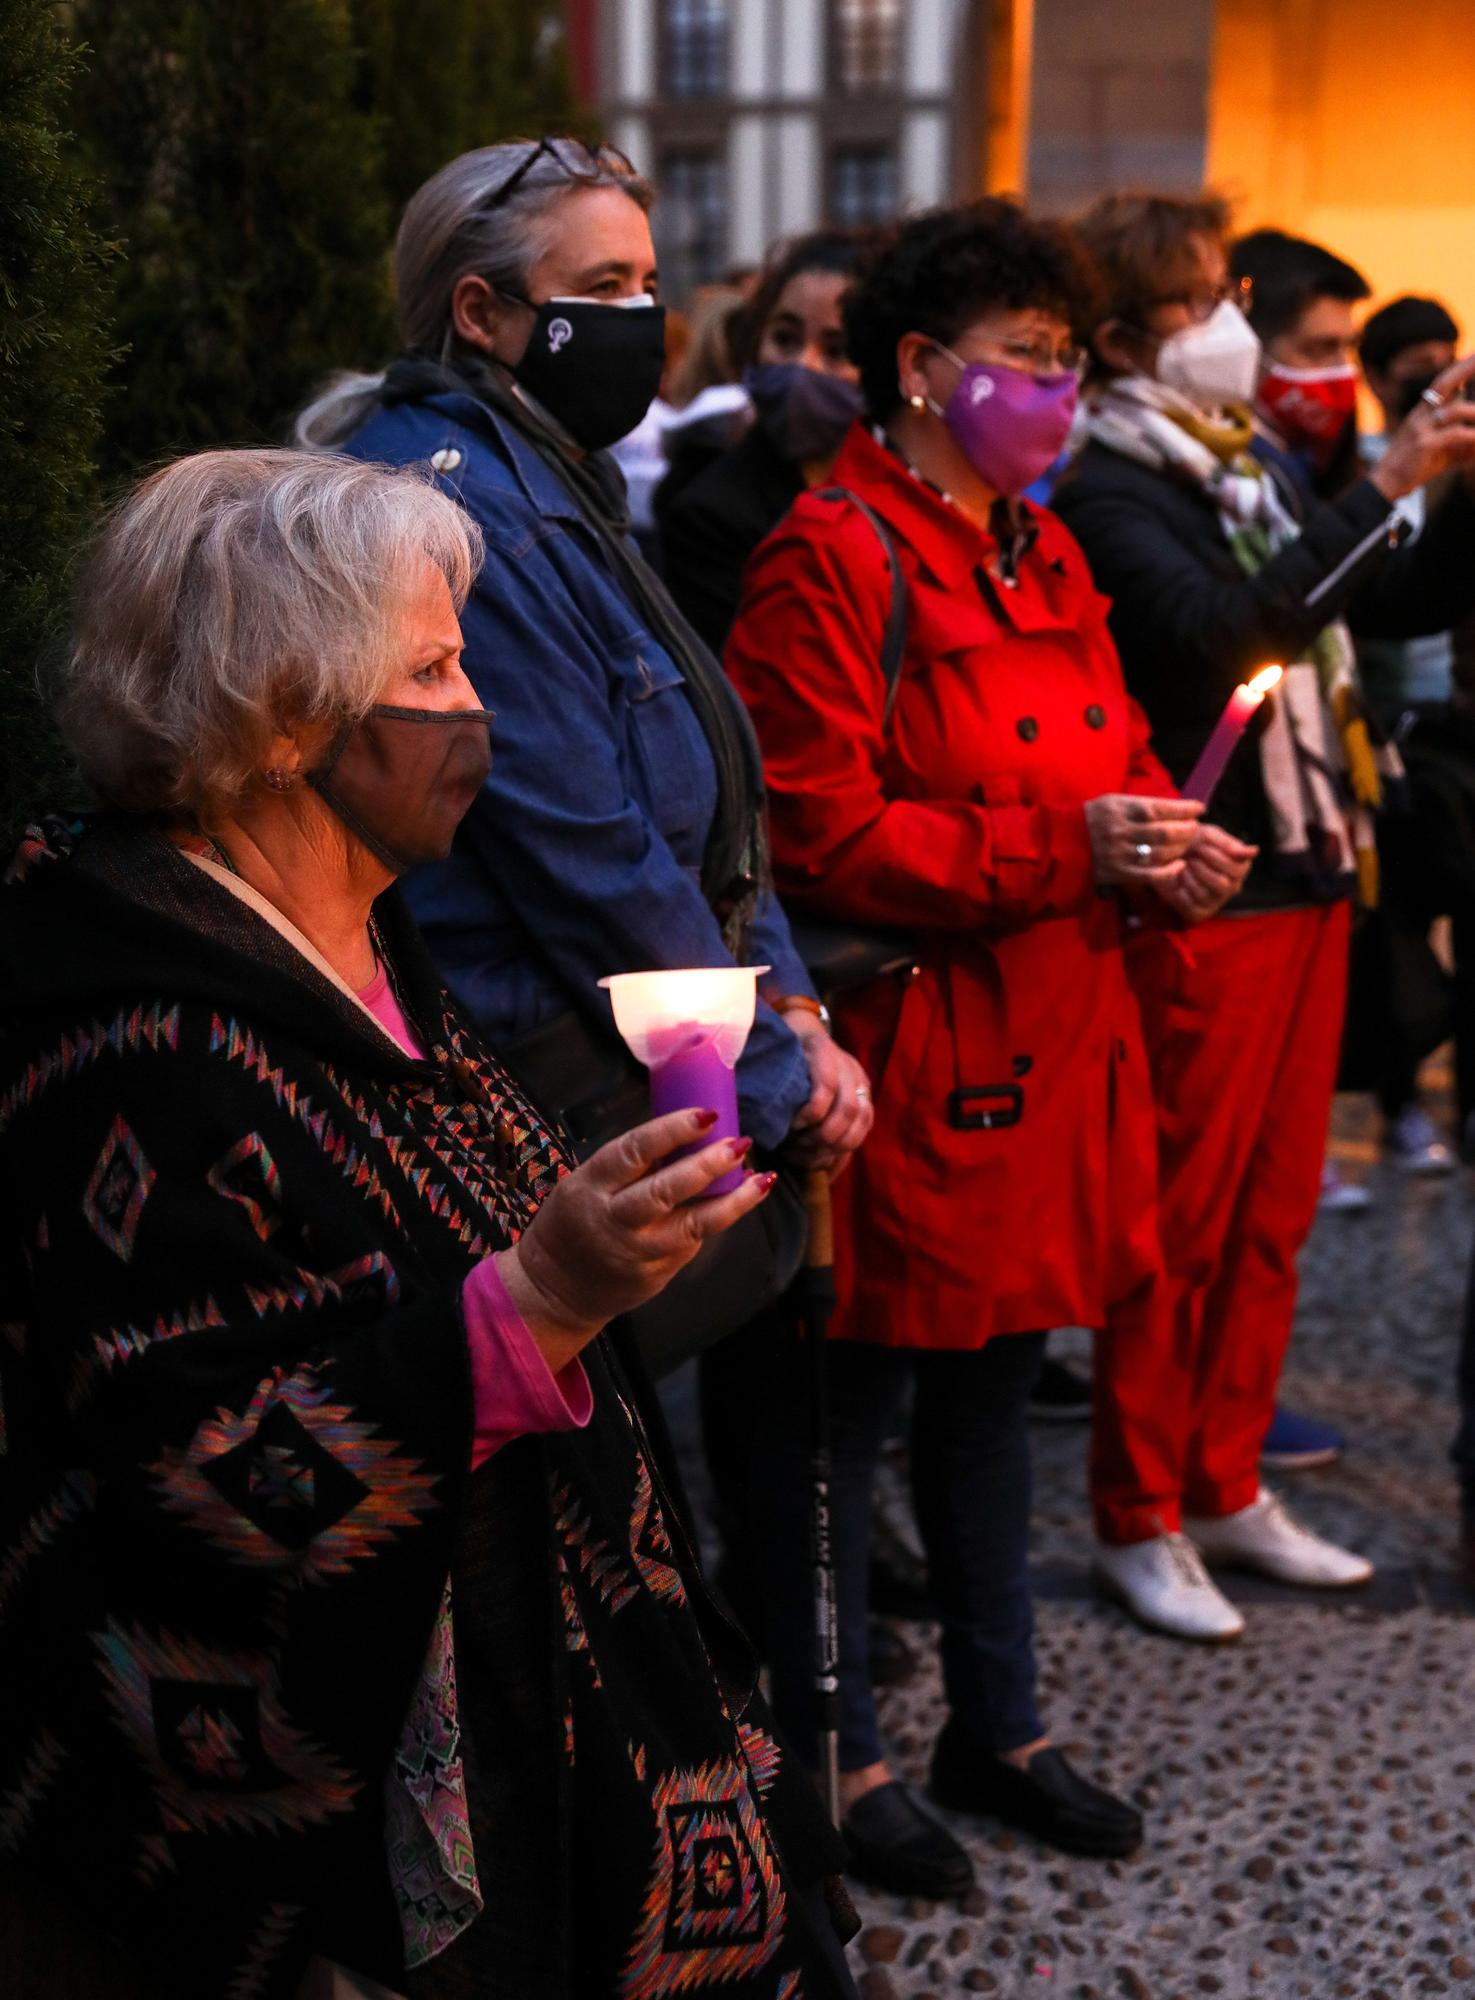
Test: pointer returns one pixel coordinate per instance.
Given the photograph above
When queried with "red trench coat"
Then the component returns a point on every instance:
(965, 823)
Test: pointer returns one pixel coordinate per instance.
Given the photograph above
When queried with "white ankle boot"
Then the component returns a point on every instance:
(1267, 1537)
(1164, 1585)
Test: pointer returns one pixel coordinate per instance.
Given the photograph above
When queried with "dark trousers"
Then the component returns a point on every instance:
(971, 1490)
(1463, 1452)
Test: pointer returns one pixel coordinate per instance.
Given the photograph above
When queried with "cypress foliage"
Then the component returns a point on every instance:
(245, 177)
(55, 347)
(447, 75)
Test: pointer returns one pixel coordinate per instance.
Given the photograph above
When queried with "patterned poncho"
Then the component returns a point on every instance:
(280, 1676)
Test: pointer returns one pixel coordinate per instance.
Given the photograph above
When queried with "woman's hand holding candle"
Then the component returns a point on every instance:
(1140, 842)
(1214, 869)
(617, 1231)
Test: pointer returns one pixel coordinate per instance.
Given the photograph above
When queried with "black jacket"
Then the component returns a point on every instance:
(712, 524)
(1190, 625)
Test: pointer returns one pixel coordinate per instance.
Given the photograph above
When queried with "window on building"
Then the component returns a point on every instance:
(691, 221)
(862, 185)
(868, 44)
(696, 48)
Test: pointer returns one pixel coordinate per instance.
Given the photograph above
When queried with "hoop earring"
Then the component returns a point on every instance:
(279, 780)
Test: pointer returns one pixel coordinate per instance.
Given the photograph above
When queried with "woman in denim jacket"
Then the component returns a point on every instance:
(621, 826)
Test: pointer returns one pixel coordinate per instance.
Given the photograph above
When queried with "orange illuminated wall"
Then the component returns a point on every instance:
(1353, 122)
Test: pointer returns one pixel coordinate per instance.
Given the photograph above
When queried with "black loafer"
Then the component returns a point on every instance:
(894, 1843)
(1047, 1798)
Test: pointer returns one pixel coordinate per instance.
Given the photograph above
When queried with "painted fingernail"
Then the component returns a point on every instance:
(704, 1120)
(740, 1148)
(765, 1182)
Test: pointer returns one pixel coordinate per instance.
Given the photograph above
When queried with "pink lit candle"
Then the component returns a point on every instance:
(689, 1029)
(1231, 725)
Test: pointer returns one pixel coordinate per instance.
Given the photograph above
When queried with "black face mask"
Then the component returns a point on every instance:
(804, 414)
(403, 779)
(1410, 390)
(595, 366)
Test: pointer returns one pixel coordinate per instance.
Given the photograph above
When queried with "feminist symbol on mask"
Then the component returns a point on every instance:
(983, 388)
(560, 333)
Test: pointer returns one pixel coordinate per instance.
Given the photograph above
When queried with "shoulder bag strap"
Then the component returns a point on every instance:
(894, 642)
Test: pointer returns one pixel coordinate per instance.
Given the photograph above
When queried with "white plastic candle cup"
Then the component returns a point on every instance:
(689, 1028)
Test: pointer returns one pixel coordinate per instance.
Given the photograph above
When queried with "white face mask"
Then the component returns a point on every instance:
(1215, 362)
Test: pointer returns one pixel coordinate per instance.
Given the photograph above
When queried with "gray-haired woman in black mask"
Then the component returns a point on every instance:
(621, 826)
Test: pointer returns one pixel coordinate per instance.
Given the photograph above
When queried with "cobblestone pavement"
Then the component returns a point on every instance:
(1310, 1792)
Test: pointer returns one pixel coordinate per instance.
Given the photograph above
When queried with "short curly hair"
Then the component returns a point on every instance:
(938, 272)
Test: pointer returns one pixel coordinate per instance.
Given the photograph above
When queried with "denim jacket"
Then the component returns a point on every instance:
(582, 855)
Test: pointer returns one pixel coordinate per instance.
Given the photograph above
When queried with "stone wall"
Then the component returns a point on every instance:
(1119, 98)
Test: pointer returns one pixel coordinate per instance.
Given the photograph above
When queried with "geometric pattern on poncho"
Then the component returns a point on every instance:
(118, 1189)
(293, 1482)
(714, 1908)
(207, 1726)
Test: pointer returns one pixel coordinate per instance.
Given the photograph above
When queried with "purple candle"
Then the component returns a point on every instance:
(1231, 725)
(687, 1073)
(688, 1027)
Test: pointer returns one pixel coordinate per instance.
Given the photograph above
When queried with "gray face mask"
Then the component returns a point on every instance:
(403, 779)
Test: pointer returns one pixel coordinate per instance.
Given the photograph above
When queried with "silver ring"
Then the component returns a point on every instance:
(1432, 397)
(862, 1096)
(1142, 851)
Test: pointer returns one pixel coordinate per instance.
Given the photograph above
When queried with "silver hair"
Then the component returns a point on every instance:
(451, 230)
(233, 595)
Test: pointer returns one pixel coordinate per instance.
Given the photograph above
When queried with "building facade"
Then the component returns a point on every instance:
(1345, 120)
(761, 117)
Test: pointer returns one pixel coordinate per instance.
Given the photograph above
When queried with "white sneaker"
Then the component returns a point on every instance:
(1413, 1140)
(1267, 1537)
(1165, 1586)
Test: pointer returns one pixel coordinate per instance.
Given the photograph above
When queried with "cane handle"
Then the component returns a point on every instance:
(820, 1255)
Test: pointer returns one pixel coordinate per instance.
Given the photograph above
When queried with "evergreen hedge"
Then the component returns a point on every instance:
(196, 204)
(55, 349)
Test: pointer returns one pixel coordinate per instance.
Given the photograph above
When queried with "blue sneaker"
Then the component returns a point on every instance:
(1296, 1444)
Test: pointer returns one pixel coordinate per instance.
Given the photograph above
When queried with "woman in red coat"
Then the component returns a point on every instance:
(998, 814)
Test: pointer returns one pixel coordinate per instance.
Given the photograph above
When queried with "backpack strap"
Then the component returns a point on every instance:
(894, 642)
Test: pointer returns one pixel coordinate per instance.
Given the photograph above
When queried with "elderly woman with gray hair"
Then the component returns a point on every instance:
(351, 1641)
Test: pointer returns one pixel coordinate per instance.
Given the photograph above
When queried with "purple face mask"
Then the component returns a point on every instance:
(1010, 426)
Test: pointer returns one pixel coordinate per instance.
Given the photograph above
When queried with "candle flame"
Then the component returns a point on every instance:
(1264, 681)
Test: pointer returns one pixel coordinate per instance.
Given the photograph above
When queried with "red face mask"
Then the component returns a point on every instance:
(1310, 407)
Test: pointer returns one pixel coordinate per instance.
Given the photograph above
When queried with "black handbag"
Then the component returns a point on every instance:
(840, 956)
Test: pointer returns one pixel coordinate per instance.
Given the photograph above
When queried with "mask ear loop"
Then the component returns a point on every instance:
(941, 347)
(318, 779)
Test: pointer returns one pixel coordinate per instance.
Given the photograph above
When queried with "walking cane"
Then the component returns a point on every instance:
(814, 1296)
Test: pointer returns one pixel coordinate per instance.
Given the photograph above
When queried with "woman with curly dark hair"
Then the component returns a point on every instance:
(1000, 801)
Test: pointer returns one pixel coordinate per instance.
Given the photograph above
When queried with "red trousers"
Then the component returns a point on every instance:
(1242, 1018)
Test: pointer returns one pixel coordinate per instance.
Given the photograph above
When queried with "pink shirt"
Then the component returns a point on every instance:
(378, 996)
(513, 1389)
